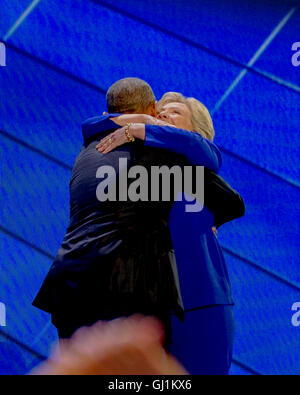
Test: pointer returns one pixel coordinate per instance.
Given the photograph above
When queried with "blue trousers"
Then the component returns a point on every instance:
(203, 343)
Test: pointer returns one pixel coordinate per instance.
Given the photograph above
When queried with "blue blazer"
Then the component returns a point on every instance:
(201, 266)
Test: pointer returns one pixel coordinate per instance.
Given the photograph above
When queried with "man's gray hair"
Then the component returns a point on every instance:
(129, 95)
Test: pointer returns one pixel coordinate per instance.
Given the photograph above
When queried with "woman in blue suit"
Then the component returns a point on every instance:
(204, 341)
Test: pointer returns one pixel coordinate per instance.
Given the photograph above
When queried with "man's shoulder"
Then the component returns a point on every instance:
(94, 120)
(96, 125)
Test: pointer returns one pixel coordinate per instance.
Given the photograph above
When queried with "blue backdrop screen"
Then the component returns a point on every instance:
(236, 57)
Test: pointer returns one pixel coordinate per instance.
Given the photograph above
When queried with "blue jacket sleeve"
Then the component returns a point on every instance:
(95, 125)
(198, 150)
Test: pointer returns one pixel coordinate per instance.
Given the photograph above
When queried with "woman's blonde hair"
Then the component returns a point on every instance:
(201, 119)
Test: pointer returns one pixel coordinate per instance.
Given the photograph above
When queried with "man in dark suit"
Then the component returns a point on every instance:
(117, 257)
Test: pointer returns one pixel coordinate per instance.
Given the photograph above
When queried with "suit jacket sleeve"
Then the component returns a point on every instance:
(196, 149)
(226, 203)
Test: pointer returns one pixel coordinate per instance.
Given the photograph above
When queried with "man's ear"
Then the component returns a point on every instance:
(152, 109)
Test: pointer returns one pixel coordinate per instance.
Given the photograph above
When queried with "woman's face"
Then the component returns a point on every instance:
(178, 114)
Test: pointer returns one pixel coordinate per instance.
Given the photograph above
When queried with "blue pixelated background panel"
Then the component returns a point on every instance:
(268, 234)
(54, 81)
(277, 59)
(22, 271)
(232, 28)
(90, 46)
(258, 122)
(45, 108)
(10, 12)
(34, 197)
(265, 337)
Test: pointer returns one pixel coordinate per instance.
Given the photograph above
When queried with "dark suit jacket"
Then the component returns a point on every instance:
(123, 248)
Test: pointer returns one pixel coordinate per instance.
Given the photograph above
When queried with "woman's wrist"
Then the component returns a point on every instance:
(137, 130)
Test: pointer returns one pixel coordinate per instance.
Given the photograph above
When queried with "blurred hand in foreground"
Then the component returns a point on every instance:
(123, 346)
